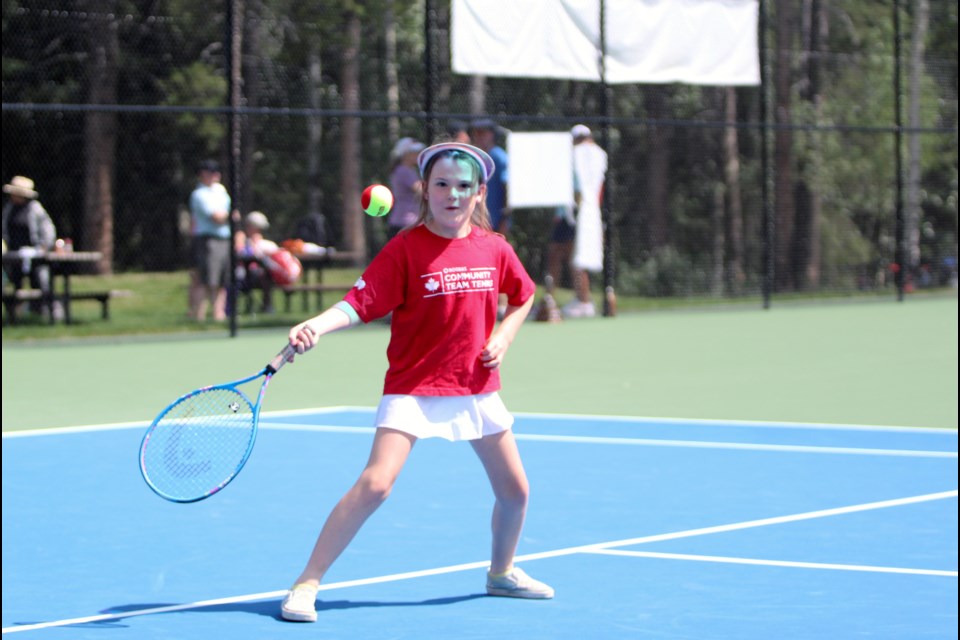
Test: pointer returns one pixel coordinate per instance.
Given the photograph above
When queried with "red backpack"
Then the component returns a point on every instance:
(285, 269)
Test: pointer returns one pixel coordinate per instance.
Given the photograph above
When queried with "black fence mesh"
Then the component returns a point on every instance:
(110, 105)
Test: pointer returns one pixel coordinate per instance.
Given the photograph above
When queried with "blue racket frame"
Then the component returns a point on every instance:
(232, 387)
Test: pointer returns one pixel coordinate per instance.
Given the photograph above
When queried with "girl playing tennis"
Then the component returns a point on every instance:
(440, 278)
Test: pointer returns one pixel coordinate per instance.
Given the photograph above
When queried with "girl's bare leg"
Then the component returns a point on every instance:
(501, 460)
(388, 454)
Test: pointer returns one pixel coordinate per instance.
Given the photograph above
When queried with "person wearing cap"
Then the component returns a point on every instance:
(210, 243)
(483, 134)
(578, 231)
(405, 184)
(28, 226)
(440, 279)
(253, 258)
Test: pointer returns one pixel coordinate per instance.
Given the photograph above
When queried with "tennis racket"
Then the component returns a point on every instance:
(199, 443)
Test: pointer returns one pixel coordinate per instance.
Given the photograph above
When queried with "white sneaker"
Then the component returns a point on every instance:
(577, 309)
(300, 604)
(517, 584)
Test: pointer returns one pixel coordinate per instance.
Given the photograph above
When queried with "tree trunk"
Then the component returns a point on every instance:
(354, 233)
(658, 170)
(100, 133)
(250, 97)
(785, 278)
(814, 252)
(921, 16)
(734, 201)
(718, 241)
(478, 94)
(314, 129)
(809, 204)
(390, 69)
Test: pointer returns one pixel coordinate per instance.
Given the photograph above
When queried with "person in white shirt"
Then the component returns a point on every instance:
(590, 170)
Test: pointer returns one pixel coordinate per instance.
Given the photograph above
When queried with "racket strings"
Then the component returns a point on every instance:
(199, 443)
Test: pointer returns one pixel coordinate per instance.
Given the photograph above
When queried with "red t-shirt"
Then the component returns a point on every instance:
(443, 294)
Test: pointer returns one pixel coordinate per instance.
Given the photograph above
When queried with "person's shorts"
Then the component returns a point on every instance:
(211, 257)
(450, 417)
(563, 231)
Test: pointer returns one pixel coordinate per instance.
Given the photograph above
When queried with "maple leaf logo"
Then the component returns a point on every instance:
(432, 285)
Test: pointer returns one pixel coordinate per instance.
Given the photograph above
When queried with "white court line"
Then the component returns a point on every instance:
(591, 548)
(143, 424)
(699, 444)
(559, 417)
(650, 442)
(322, 428)
(681, 422)
(253, 597)
(773, 563)
(809, 515)
(760, 424)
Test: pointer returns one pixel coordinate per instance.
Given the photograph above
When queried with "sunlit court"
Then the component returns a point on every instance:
(735, 526)
(708, 529)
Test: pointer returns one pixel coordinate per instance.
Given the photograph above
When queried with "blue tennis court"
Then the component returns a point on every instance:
(647, 528)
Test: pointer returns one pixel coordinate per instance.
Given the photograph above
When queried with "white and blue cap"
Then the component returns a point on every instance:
(405, 146)
(580, 131)
(482, 157)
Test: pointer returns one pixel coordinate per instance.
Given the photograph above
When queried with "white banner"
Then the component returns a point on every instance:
(540, 170)
(705, 42)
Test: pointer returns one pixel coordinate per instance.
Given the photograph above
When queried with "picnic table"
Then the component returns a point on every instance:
(63, 264)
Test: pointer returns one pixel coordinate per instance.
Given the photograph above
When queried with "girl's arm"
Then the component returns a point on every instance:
(305, 335)
(503, 335)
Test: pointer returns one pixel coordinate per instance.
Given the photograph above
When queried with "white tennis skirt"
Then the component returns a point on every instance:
(450, 417)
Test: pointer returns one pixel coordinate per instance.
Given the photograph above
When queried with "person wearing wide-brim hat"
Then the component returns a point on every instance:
(20, 187)
(28, 226)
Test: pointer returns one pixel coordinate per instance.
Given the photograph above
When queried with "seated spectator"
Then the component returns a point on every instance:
(261, 263)
(27, 228)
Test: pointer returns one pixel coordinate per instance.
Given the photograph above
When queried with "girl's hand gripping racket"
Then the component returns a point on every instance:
(198, 444)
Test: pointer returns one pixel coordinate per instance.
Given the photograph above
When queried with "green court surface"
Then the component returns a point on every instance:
(877, 363)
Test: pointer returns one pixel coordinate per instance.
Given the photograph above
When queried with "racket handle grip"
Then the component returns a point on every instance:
(281, 359)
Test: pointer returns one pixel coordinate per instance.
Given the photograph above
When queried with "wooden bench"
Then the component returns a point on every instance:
(311, 286)
(103, 297)
(13, 299)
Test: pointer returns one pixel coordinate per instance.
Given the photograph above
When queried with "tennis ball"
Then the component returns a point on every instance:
(376, 200)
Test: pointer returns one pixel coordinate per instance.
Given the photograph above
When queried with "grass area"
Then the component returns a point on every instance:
(879, 363)
(157, 304)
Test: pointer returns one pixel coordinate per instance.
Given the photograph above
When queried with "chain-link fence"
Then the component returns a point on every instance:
(110, 105)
